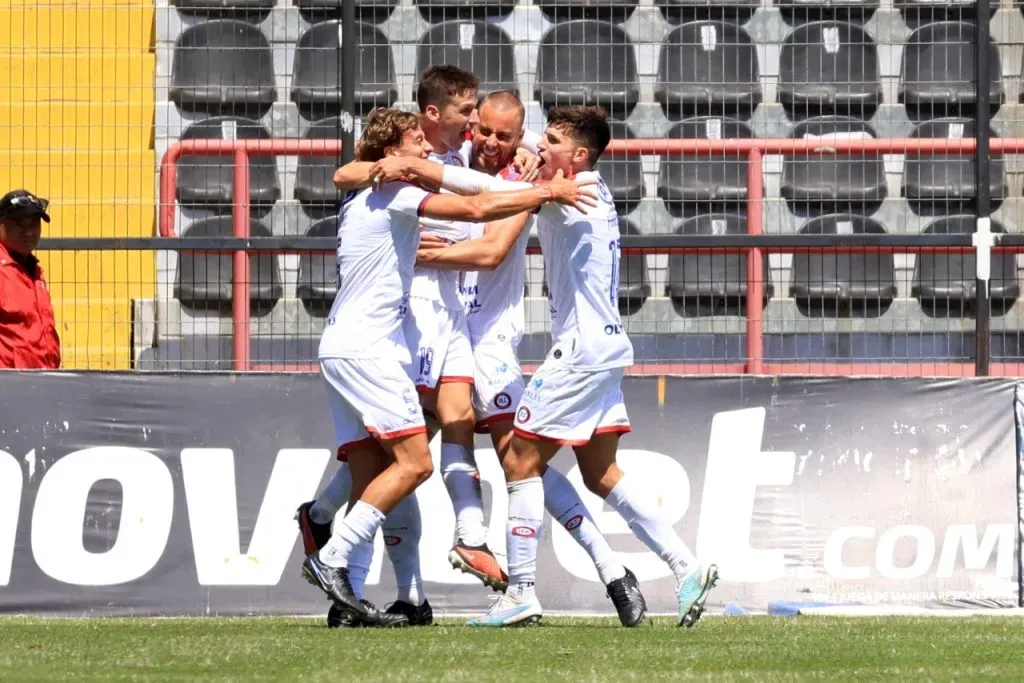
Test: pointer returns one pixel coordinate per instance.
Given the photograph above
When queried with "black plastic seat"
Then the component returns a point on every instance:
(436, 11)
(204, 281)
(318, 273)
(834, 181)
(937, 184)
(623, 175)
(945, 284)
(708, 67)
(477, 46)
(314, 174)
(937, 75)
(605, 10)
(375, 11)
(704, 183)
(250, 10)
(207, 181)
(829, 67)
(587, 62)
(223, 67)
(713, 284)
(634, 283)
(833, 284)
(796, 12)
(684, 11)
(316, 81)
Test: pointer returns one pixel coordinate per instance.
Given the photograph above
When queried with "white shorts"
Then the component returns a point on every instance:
(370, 398)
(570, 408)
(497, 383)
(438, 340)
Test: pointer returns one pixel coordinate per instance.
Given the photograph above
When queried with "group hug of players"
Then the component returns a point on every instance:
(424, 331)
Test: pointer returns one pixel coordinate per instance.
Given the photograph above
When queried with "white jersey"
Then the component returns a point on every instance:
(431, 283)
(378, 234)
(494, 298)
(581, 253)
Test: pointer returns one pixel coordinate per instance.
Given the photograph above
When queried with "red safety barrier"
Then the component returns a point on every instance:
(753, 149)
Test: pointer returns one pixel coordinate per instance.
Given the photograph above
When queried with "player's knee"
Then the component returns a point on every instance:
(459, 430)
(420, 470)
(598, 483)
(519, 465)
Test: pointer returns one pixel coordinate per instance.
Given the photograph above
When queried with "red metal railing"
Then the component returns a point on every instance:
(753, 149)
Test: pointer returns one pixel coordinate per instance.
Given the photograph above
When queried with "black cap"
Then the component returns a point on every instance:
(23, 204)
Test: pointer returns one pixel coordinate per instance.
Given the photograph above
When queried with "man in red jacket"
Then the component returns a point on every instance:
(28, 334)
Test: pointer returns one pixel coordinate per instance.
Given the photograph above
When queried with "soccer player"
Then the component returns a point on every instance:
(363, 353)
(575, 398)
(447, 98)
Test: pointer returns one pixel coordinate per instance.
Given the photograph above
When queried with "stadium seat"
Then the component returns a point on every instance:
(318, 273)
(605, 10)
(708, 67)
(314, 174)
(251, 10)
(623, 175)
(587, 62)
(203, 281)
(834, 284)
(634, 284)
(712, 284)
(477, 46)
(936, 184)
(223, 67)
(684, 11)
(436, 11)
(375, 11)
(945, 283)
(831, 182)
(704, 183)
(829, 67)
(797, 12)
(937, 74)
(316, 80)
(207, 181)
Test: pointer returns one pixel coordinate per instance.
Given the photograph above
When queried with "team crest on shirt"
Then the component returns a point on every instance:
(603, 193)
(523, 415)
(503, 401)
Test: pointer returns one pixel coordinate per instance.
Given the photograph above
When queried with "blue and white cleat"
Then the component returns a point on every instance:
(511, 609)
(693, 593)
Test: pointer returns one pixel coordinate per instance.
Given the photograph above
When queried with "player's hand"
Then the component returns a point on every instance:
(429, 242)
(528, 164)
(392, 168)
(576, 193)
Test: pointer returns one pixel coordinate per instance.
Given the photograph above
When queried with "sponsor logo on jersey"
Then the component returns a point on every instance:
(537, 383)
(523, 415)
(502, 400)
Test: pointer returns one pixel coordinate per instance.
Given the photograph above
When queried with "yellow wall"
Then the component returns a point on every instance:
(76, 124)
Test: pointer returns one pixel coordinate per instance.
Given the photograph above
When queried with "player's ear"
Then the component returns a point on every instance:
(581, 156)
(432, 113)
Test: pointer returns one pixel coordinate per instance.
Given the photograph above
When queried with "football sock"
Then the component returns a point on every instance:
(525, 516)
(359, 526)
(563, 503)
(630, 500)
(461, 478)
(402, 530)
(359, 566)
(333, 497)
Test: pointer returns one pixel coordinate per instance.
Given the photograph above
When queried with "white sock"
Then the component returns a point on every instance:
(402, 530)
(461, 478)
(359, 526)
(632, 502)
(525, 516)
(359, 566)
(333, 497)
(563, 503)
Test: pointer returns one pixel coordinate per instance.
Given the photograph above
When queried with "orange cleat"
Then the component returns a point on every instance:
(481, 563)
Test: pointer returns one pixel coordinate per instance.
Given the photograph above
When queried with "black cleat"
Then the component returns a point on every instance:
(628, 600)
(314, 536)
(418, 616)
(338, 617)
(335, 582)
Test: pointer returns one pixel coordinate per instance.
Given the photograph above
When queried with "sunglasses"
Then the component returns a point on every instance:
(30, 202)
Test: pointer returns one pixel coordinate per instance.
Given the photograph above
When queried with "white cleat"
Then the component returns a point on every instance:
(511, 609)
(693, 593)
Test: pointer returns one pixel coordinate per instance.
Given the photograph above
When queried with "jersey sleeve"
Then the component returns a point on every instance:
(468, 181)
(408, 199)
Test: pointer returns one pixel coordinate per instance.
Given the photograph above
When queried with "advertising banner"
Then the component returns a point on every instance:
(175, 494)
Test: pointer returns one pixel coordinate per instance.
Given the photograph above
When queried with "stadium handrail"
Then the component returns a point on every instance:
(754, 243)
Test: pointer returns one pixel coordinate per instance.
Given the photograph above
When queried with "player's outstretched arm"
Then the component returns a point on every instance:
(492, 206)
(357, 175)
(483, 253)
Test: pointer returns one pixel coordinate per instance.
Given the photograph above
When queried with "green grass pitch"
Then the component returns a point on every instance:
(562, 649)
